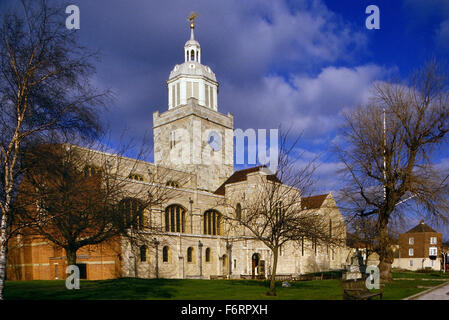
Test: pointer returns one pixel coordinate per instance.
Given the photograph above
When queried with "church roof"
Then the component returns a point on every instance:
(241, 175)
(421, 227)
(313, 202)
(192, 68)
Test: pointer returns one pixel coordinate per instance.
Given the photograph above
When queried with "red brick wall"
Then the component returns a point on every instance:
(39, 259)
(421, 244)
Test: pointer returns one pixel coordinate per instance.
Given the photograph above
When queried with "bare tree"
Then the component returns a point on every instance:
(388, 153)
(77, 196)
(364, 237)
(274, 209)
(44, 87)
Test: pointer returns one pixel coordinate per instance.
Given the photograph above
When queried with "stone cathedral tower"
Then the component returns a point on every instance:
(192, 135)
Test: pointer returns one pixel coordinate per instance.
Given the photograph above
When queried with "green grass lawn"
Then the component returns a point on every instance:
(137, 289)
(419, 275)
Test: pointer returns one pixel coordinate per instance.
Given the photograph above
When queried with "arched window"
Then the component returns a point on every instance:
(207, 254)
(175, 218)
(132, 213)
(190, 254)
(225, 260)
(192, 55)
(143, 253)
(173, 184)
(135, 176)
(165, 254)
(212, 222)
(238, 211)
(90, 171)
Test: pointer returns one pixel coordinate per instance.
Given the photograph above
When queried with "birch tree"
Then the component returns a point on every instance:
(44, 87)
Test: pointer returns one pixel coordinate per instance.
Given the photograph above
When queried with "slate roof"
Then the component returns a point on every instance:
(313, 202)
(241, 175)
(421, 227)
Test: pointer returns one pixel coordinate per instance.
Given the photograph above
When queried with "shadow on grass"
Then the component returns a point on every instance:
(125, 288)
(178, 289)
(159, 289)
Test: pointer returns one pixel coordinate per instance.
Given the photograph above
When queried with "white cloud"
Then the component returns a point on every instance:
(245, 43)
(307, 104)
(266, 33)
(327, 176)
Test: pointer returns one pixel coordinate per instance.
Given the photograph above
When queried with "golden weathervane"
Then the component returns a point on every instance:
(192, 18)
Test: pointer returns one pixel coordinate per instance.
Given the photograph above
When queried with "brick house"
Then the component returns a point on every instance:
(419, 248)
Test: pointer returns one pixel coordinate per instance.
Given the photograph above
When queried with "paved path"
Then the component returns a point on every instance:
(441, 293)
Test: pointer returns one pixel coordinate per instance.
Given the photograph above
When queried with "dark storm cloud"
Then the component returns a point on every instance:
(243, 42)
(275, 64)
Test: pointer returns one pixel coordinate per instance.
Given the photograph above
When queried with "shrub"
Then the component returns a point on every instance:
(425, 270)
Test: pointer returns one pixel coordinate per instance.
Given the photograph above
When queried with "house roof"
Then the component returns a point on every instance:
(241, 175)
(421, 227)
(313, 202)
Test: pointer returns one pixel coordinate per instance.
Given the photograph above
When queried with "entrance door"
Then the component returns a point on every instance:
(83, 270)
(261, 268)
(255, 265)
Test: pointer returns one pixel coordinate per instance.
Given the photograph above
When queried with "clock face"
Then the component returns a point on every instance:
(214, 140)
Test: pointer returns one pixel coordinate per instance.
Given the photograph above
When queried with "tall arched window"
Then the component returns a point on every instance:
(135, 176)
(143, 253)
(165, 254)
(132, 213)
(175, 218)
(207, 254)
(225, 260)
(90, 171)
(238, 211)
(172, 183)
(192, 55)
(190, 254)
(212, 222)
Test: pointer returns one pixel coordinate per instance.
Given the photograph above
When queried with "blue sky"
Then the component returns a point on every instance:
(297, 63)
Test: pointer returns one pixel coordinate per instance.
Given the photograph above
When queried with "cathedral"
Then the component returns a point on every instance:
(192, 139)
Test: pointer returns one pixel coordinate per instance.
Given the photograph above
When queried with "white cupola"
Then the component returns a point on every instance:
(192, 79)
(192, 48)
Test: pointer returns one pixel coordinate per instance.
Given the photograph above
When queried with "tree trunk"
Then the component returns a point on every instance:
(3, 252)
(71, 256)
(272, 291)
(385, 253)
